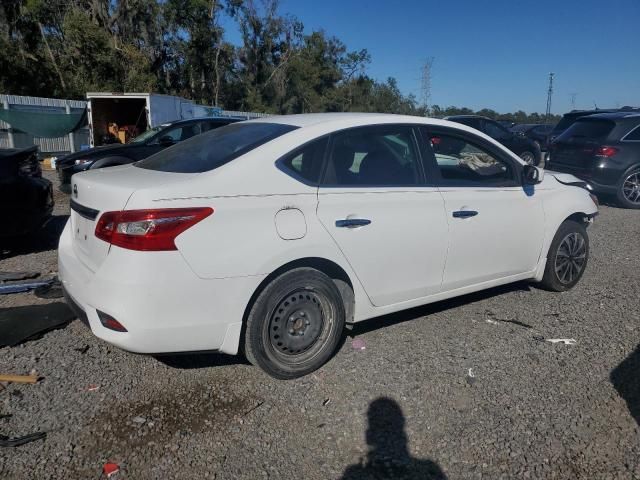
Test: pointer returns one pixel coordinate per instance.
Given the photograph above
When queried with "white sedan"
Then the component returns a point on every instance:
(270, 235)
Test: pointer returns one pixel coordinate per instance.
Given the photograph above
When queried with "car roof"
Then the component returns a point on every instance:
(200, 119)
(352, 118)
(613, 116)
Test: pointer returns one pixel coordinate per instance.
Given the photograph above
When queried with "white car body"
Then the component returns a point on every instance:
(412, 253)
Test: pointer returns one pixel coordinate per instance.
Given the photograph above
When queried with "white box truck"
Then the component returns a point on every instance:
(115, 117)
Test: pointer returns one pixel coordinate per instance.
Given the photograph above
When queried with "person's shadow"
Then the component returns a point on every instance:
(388, 456)
(626, 380)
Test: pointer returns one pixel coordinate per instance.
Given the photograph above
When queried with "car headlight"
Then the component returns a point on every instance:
(82, 161)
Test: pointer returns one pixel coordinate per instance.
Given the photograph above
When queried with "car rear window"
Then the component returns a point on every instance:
(210, 150)
(588, 128)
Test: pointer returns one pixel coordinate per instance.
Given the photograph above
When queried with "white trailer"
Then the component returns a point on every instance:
(135, 113)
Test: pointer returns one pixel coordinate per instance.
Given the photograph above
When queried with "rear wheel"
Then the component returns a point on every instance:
(629, 189)
(567, 258)
(295, 324)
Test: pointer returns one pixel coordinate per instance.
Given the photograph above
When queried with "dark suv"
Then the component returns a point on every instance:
(525, 148)
(604, 151)
(143, 146)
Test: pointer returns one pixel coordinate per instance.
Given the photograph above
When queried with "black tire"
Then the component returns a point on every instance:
(300, 302)
(567, 258)
(530, 158)
(627, 195)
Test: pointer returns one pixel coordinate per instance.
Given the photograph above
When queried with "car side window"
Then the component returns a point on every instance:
(462, 162)
(206, 126)
(634, 135)
(306, 163)
(495, 131)
(181, 133)
(373, 156)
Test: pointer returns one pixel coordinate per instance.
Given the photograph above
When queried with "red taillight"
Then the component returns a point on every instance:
(148, 230)
(605, 152)
(111, 323)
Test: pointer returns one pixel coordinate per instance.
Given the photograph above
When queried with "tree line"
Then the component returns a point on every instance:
(65, 48)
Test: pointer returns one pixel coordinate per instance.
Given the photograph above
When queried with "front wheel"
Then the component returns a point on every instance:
(567, 258)
(529, 158)
(295, 324)
(629, 189)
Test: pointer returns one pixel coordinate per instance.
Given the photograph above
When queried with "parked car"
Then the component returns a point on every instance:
(26, 199)
(603, 150)
(538, 132)
(150, 142)
(526, 149)
(570, 118)
(270, 235)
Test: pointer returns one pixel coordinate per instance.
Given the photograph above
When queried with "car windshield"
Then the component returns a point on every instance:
(146, 135)
(210, 150)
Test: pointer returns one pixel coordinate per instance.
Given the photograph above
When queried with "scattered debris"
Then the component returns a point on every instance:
(471, 378)
(51, 290)
(138, 420)
(93, 388)
(16, 442)
(14, 276)
(566, 341)
(18, 324)
(19, 287)
(82, 350)
(19, 378)
(492, 322)
(110, 469)
(358, 344)
(255, 407)
(326, 402)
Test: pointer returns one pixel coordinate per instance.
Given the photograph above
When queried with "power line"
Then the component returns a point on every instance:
(425, 84)
(572, 100)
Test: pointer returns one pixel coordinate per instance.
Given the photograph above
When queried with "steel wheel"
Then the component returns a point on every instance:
(296, 323)
(631, 188)
(570, 258)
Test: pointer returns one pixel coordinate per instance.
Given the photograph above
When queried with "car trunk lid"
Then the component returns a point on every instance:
(98, 191)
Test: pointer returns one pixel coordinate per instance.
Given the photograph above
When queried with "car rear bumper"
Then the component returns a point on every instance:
(163, 305)
(603, 180)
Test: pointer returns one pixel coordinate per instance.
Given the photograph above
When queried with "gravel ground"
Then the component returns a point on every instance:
(460, 389)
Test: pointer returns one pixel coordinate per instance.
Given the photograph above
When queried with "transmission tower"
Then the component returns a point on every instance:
(572, 100)
(549, 94)
(425, 86)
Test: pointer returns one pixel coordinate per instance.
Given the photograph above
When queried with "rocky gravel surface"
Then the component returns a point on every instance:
(468, 388)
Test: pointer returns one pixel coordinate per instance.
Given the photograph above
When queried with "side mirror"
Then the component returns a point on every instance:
(166, 141)
(531, 175)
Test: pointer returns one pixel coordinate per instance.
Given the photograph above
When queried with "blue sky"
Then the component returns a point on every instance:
(492, 53)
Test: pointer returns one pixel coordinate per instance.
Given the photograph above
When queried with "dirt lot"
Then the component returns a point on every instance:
(461, 389)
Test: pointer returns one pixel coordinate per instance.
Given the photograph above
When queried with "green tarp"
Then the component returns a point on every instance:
(43, 124)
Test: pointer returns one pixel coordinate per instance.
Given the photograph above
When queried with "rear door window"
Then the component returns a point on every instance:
(210, 150)
(588, 129)
(374, 156)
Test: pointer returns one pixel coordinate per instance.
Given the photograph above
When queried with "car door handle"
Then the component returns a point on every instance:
(464, 213)
(352, 222)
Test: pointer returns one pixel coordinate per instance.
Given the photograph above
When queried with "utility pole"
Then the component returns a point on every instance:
(425, 86)
(572, 101)
(549, 94)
